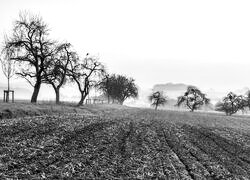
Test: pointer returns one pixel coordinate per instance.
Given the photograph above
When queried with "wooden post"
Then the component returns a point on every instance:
(88, 101)
(6, 95)
(12, 96)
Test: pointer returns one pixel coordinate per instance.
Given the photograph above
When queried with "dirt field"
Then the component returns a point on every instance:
(116, 142)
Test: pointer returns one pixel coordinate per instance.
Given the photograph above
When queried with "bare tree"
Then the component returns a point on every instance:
(32, 49)
(86, 73)
(8, 67)
(193, 98)
(56, 73)
(157, 99)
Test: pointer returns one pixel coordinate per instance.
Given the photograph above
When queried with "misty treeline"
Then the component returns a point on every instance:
(42, 60)
(194, 99)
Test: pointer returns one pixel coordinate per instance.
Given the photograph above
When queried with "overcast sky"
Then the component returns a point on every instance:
(204, 43)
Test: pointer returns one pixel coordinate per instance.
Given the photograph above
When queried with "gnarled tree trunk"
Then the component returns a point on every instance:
(57, 91)
(36, 91)
(83, 97)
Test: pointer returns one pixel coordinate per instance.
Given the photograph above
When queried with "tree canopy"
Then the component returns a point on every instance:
(193, 98)
(118, 87)
(232, 103)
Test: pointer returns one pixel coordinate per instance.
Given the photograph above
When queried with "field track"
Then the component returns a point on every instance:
(125, 143)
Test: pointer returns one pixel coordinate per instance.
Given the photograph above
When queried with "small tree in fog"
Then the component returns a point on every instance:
(231, 104)
(8, 67)
(193, 98)
(157, 99)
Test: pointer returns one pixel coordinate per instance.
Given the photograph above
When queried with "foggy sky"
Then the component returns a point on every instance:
(204, 43)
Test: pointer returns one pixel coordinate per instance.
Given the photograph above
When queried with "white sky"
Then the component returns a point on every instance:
(204, 43)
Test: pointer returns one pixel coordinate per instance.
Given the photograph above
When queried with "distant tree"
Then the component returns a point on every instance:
(86, 73)
(56, 73)
(124, 88)
(193, 98)
(8, 67)
(118, 87)
(231, 104)
(31, 48)
(157, 99)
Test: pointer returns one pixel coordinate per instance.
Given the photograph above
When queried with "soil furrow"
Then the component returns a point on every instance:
(214, 150)
(232, 148)
(195, 169)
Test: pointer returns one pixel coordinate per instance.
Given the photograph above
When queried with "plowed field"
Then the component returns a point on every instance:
(125, 143)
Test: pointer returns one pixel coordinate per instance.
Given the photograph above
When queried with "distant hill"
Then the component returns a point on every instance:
(170, 87)
(172, 90)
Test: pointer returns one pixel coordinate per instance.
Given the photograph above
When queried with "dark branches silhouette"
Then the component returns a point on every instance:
(56, 73)
(85, 73)
(32, 49)
(193, 98)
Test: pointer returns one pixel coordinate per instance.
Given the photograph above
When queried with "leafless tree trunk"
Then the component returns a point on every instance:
(57, 91)
(36, 92)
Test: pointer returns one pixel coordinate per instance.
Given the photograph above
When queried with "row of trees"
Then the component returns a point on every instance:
(41, 60)
(194, 99)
